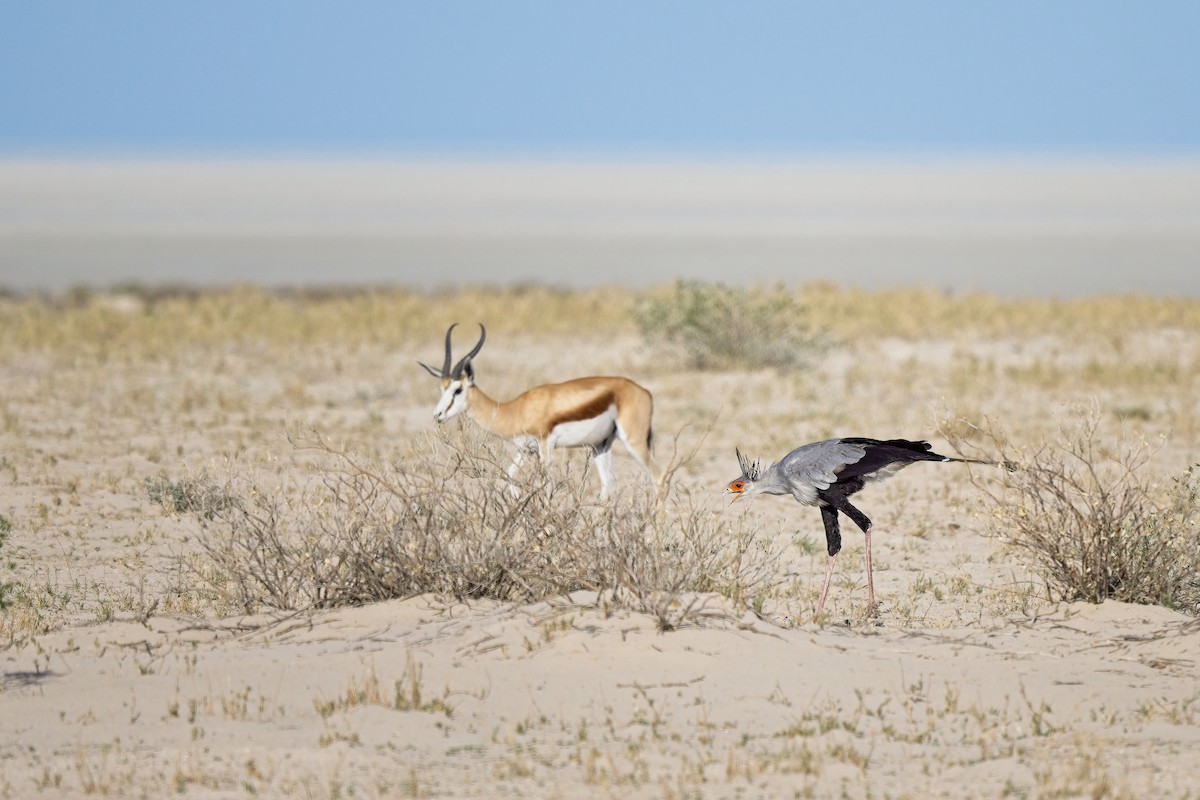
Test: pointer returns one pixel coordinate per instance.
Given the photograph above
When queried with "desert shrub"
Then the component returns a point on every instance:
(711, 326)
(1092, 515)
(448, 521)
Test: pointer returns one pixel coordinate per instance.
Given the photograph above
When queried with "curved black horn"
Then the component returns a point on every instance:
(446, 362)
(456, 373)
(431, 370)
(445, 373)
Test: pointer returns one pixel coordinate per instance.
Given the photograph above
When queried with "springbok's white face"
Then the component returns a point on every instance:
(456, 381)
(453, 400)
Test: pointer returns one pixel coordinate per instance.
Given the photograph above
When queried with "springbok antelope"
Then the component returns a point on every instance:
(585, 412)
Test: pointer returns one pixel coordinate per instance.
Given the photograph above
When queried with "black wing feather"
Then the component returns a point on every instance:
(879, 454)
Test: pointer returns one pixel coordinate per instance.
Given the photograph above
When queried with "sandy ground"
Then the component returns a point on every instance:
(969, 684)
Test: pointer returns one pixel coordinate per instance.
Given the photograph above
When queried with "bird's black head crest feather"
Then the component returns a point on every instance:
(750, 469)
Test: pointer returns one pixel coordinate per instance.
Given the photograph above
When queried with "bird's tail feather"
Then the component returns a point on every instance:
(1010, 466)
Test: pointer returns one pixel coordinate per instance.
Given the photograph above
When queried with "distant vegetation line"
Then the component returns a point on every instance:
(149, 317)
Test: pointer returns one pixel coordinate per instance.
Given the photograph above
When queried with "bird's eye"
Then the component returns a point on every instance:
(737, 485)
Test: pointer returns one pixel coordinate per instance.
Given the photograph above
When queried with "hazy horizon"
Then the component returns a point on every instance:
(1009, 226)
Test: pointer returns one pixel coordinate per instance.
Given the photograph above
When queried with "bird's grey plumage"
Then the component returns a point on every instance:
(826, 474)
(806, 472)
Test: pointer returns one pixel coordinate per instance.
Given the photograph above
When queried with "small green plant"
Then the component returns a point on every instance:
(713, 326)
(5, 530)
(200, 495)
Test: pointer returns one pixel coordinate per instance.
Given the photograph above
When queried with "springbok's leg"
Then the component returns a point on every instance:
(641, 454)
(602, 458)
(522, 450)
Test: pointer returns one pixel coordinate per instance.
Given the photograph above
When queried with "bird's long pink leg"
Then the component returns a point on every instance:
(870, 575)
(825, 586)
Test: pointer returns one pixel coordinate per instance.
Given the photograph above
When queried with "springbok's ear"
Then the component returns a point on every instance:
(469, 371)
(432, 371)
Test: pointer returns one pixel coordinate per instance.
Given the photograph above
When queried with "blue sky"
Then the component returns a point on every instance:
(594, 77)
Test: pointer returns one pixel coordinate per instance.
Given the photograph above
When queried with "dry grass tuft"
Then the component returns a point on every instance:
(856, 314)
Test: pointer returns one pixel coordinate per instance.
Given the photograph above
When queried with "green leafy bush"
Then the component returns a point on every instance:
(712, 326)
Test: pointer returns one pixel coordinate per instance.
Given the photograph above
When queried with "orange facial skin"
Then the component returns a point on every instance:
(737, 487)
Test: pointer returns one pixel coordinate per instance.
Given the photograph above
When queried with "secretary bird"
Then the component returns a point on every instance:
(825, 474)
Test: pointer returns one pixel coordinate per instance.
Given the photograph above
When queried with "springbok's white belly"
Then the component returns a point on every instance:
(585, 432)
